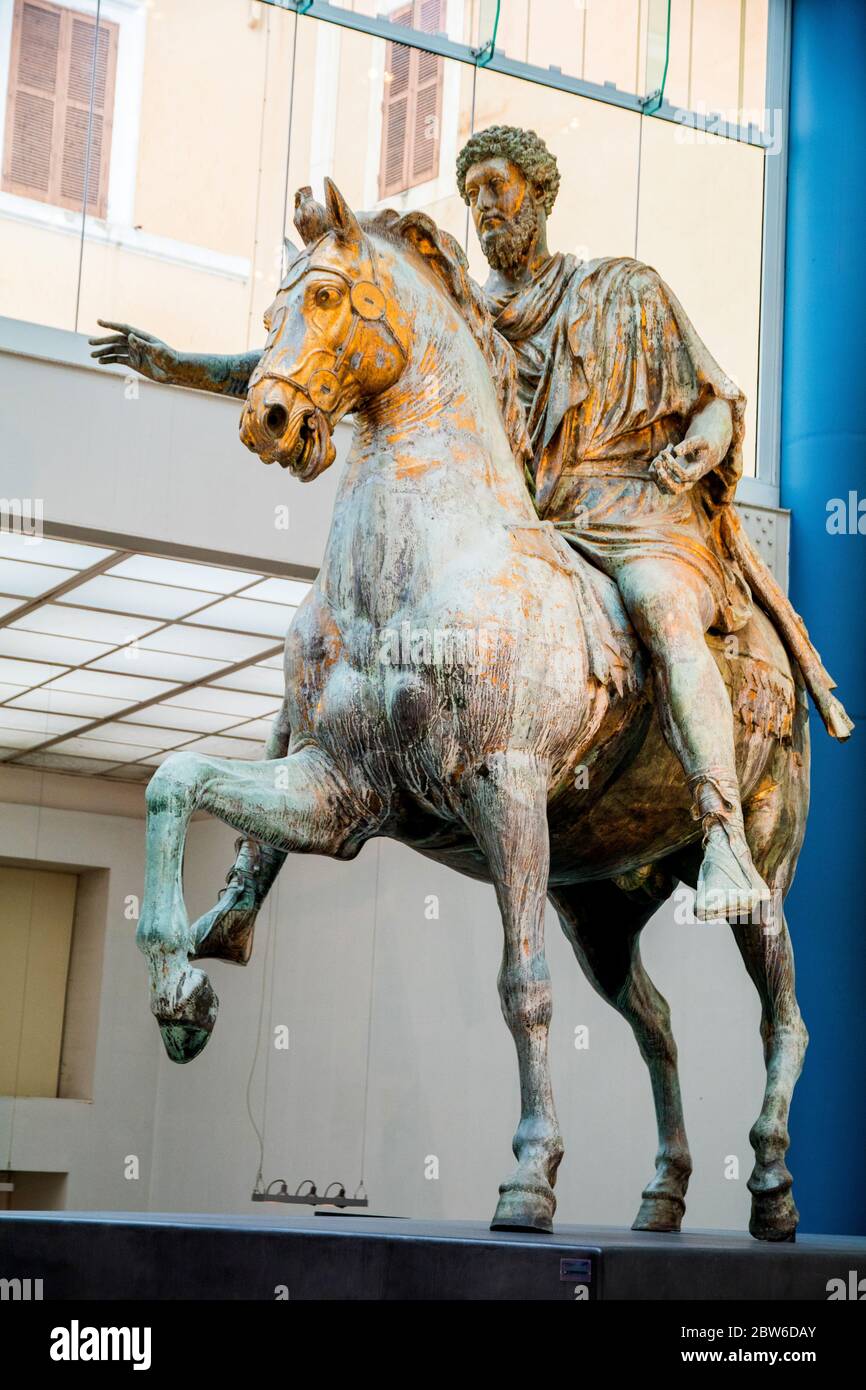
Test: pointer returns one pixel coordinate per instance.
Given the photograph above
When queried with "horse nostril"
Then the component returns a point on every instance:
(276, 419)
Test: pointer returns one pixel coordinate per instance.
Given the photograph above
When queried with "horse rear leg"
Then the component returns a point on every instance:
(507, 811)
(769, 959)
(603, 924)
(775, 825)
(226, 931)
(299, 803)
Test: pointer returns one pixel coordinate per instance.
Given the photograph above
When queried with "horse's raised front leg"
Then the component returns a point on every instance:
(226, 931)
(507, 811)
(603, 924)
(769, 960)
(299, 803)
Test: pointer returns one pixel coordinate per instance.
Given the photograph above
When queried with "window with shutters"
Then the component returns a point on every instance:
(53, 151)
(412, 106)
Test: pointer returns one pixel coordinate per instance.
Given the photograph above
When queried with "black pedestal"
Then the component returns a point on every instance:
(94, 1255)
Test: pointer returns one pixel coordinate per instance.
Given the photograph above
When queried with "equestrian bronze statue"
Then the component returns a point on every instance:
(540, 648)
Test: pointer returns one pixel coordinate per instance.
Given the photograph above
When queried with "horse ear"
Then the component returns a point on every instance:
(343, 220)
(310, 217)
(292, 251)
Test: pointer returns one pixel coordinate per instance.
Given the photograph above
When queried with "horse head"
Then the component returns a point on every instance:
(336, 338)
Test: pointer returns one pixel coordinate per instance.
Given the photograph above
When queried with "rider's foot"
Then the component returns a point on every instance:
(729, 885)
(226, 932)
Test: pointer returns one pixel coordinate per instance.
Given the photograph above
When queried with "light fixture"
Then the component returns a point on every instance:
(310, 1198)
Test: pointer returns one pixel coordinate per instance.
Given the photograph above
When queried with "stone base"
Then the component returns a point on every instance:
(96, 1255)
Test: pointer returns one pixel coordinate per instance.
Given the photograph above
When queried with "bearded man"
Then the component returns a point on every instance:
(637, 442)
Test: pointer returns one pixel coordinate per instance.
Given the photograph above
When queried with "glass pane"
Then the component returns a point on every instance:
(718, 59)
(26, 580)
(41, 73)
(388, 130)
(91, 706)
(596, 40)
(39, 646)
(193, 244)
(41, 551)
(711, 257)
(259, 679)
(245, 616)
(136, 596)
(66, 621)
(163, 665)
(227, 647)
(157, 570)
(224, 702)
(596, 147)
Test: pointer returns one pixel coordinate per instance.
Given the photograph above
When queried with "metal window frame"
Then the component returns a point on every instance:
(763, 489)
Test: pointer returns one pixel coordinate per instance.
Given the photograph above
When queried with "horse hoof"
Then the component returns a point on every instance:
(524, 1209)
(183, 1041)
(660, 1212)
(774, 1216)
(186, 1032)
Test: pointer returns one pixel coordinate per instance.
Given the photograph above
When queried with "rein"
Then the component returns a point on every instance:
(321, 386)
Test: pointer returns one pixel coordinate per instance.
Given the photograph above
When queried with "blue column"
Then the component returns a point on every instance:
(824, 458)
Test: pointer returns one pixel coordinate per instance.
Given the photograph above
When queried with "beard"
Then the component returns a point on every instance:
(507, 247)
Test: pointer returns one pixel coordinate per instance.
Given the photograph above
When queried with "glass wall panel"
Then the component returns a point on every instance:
(47, 55)
(193, 252)
(383, 120)
(699, 224)
(718, 58)
(597, 148)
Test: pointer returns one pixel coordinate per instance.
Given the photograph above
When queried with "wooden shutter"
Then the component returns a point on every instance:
(413, 103)
(50, 83)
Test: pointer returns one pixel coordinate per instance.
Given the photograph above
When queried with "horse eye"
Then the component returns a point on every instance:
(324, 296)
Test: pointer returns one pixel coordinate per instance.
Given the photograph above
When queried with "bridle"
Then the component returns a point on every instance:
(322, 386)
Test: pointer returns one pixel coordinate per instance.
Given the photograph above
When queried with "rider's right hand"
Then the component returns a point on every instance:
(134, 348)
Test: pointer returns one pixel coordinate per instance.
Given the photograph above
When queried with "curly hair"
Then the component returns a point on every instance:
(523, 147)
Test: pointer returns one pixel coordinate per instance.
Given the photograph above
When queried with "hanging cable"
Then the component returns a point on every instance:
(87, 147)
(361, 1185)
(259, 1133)
(283, 253)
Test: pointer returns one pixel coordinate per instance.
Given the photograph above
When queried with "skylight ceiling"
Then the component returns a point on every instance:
(110, 660)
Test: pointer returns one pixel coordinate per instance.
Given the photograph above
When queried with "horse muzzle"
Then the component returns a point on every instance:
(282, 426)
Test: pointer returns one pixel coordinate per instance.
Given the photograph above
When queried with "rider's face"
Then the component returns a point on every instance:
(504, 210)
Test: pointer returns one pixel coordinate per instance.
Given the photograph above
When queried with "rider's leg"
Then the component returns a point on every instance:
(671, 606)
(226, 931)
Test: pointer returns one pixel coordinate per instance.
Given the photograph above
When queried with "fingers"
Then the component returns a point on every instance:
(126, 330)
(668, 472)
(113, 352)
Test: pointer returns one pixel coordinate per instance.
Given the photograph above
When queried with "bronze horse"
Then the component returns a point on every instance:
(459, 680)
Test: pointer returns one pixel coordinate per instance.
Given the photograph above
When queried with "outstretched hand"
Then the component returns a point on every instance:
(678, 467)
(132, 347)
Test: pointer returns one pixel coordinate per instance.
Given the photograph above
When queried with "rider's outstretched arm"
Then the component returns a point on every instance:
(132, 347)
(228, 376)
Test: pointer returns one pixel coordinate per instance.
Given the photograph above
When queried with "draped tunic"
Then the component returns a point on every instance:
(610, 372)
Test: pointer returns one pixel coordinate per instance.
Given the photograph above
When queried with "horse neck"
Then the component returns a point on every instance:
(443, 412)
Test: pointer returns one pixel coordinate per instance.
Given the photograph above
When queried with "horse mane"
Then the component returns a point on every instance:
(446, 258)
